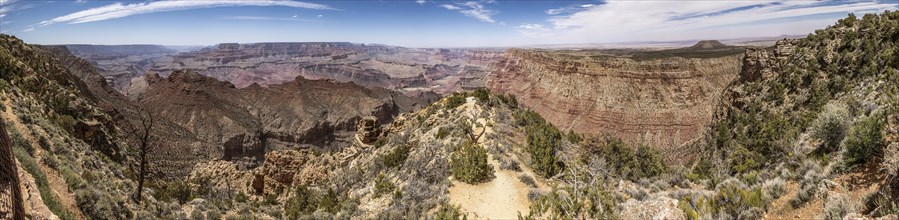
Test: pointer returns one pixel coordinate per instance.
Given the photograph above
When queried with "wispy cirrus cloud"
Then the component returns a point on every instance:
(7, 6)
(569, 9)
(680, 20)
(119, 10)
(267, 18)
(473, 9)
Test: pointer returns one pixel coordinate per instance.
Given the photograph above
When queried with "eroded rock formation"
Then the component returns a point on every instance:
(759, 63)
(367, 131)
(407, 69)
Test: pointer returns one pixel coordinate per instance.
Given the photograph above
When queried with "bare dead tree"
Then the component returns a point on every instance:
(469, 131)
(141, 134)
(9, 174)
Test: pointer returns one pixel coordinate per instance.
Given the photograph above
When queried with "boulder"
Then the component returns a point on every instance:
(655, 208)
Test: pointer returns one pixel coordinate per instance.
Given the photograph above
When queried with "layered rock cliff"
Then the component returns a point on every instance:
(248, 122)
(406, 69)
(662, 102)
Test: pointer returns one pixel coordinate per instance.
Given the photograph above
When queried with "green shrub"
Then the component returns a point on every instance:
(241, 197)
(96, 204)
(397, 156)
(645, 162)
(573, 137)
(743, 160)
(830, 127)
(303, 202)
(773, 189)
(449, 212)
(836, 207)
(864, 140)
(528, 117)
(177, 190)
(456, 100)
(650, 162)
(731, 198)
(689, 212)
(66, 122)
(442, 132)
(19, 141)
(329, 201)
(481, 94)
(808, 185)
(594, 202)
(702, 170)
(527, 180)
(509, 100)
(380, 142)
(213, 214)
(543, 142)
(469, 163)
(382, 186)
(73, 180)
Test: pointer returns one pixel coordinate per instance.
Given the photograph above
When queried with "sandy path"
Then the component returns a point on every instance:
(54, 178)
(501, 198)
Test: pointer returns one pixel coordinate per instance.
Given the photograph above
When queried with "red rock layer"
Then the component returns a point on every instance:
(659, 102)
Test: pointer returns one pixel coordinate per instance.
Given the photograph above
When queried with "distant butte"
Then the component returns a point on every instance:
(708, 44)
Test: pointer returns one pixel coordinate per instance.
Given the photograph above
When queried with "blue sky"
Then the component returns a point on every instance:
(416, 23)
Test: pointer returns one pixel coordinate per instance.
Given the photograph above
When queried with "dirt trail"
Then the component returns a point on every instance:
(54, 178)
(501, 198)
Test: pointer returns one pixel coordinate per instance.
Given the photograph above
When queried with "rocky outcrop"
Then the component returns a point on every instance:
(280, 170)
(662, 102)
(367, 131)
(662, 208)
(761, 63)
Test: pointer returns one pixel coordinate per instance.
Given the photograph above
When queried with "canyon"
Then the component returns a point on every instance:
(798, 128)
(409, 70)
(658, 97)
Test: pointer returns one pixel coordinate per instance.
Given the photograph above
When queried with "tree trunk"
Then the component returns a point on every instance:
(140, 180)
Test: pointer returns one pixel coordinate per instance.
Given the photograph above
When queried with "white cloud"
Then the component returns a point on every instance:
(29, 29)
(319, 16)
(682, 20)
(119, 10)
(265, 18)
(450, 7)
(7, 6)
(474, 9)
(568, 9)
(533, 30)
(555, 11)
(421, 2)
